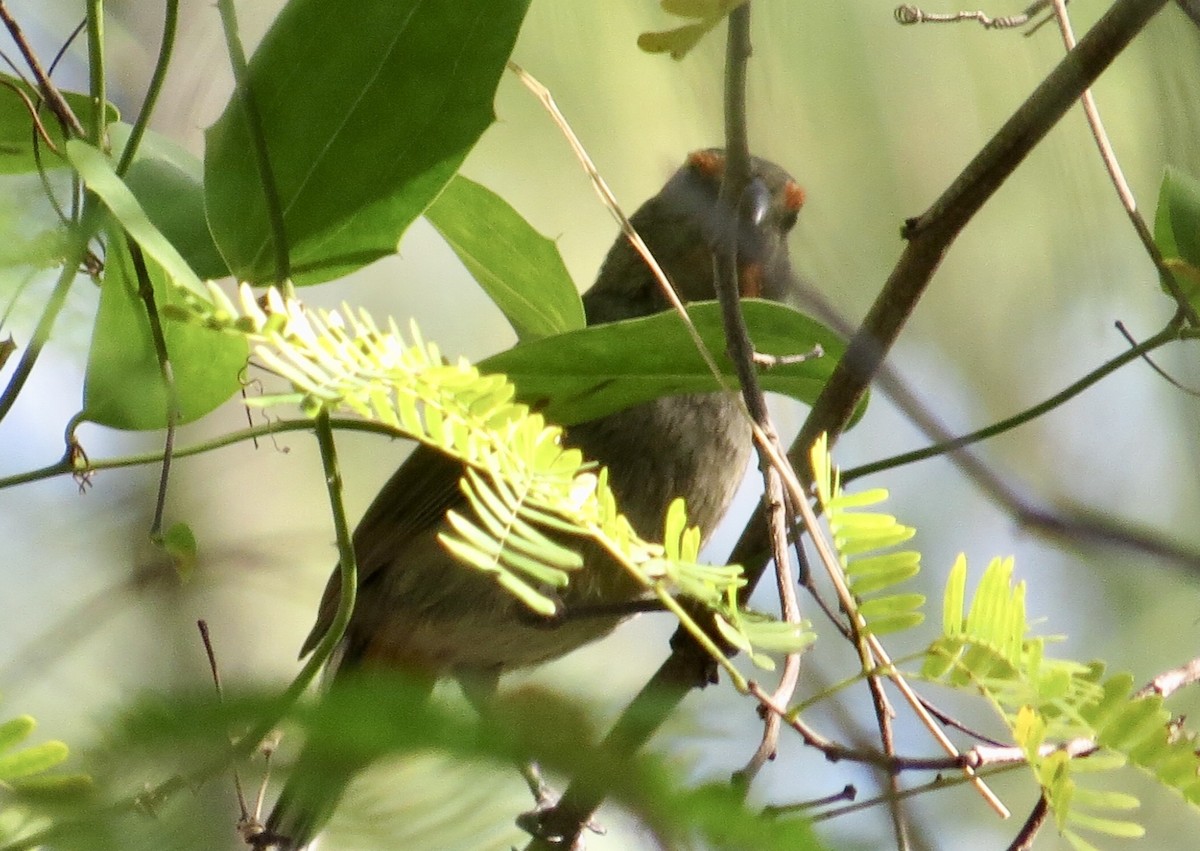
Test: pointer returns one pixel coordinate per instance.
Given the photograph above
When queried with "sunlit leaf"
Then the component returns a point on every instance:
(98, 173)
(168, 183)
(519, 268)
(594, 371)
(123, 385)
(31, 760)
(356, 153)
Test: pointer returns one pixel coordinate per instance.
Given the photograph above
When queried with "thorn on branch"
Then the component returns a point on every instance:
(1154, 366)
(848, 793)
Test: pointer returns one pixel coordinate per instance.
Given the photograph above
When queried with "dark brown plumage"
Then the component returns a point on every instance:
(421, 611)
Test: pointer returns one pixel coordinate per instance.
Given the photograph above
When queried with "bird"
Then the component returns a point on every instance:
(421, 612)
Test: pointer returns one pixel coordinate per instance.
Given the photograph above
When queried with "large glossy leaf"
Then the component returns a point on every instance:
(367, 109)
(124, 387)
(1177, 230)
(518, 267)
(100, 177)
(594, 371)
(17, 127)
(168, 182)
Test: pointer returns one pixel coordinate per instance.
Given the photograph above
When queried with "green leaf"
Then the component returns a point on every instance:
(100, 177)
(1139, 719)
(892, 614)
(17, 127)
(168, 183)
(15, 731)
(872, 574)
(62, 789)
(1098, 799)
(594, 371)
(519, 268)
(123, 387)
(679, 41)
(1177, 230)
(1112, 827)
(778, 636)
(360, 142)
(32, 760)
(180, 544)
(955, 597)
(1078, 842)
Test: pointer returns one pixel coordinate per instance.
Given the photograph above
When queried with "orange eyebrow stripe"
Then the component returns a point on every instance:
(707, 162)
(793, 196)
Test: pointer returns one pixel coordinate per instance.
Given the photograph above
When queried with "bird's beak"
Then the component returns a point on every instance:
(758, 200)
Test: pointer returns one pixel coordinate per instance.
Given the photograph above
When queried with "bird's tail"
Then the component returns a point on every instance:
(305, 805)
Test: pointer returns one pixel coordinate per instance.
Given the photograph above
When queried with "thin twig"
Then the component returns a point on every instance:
(1023, 841)
(71, 465)
(76, 182)
(848, 793)
(202, 625)
(609, 200)
(58, 105)
(869, 644)
(1170, 333)
(909, 15)
(726, 271)
(1150, 362)
(887, 739)
(165, 48)
(948, 720)
(38, 127)
(45, 324)
(347, 589)
(931, 234)
(938, 783)
(978, 757)
(1111, 165)
(166, 371)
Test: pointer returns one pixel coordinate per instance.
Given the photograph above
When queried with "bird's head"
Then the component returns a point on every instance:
(686, 224)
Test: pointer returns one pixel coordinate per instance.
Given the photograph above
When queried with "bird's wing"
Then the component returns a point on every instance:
(414, 500)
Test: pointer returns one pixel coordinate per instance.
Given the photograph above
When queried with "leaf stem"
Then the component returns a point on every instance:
(159, 339)
(258, 139)
(98, 86)
(931, 234)
(165, 49)
(1170, 333)
(41, 333)
(66, 466)
(347, 570)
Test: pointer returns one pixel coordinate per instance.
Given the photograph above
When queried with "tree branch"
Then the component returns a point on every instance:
(931, 234)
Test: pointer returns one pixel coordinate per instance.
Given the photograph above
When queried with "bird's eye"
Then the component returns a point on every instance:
(788, 221)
